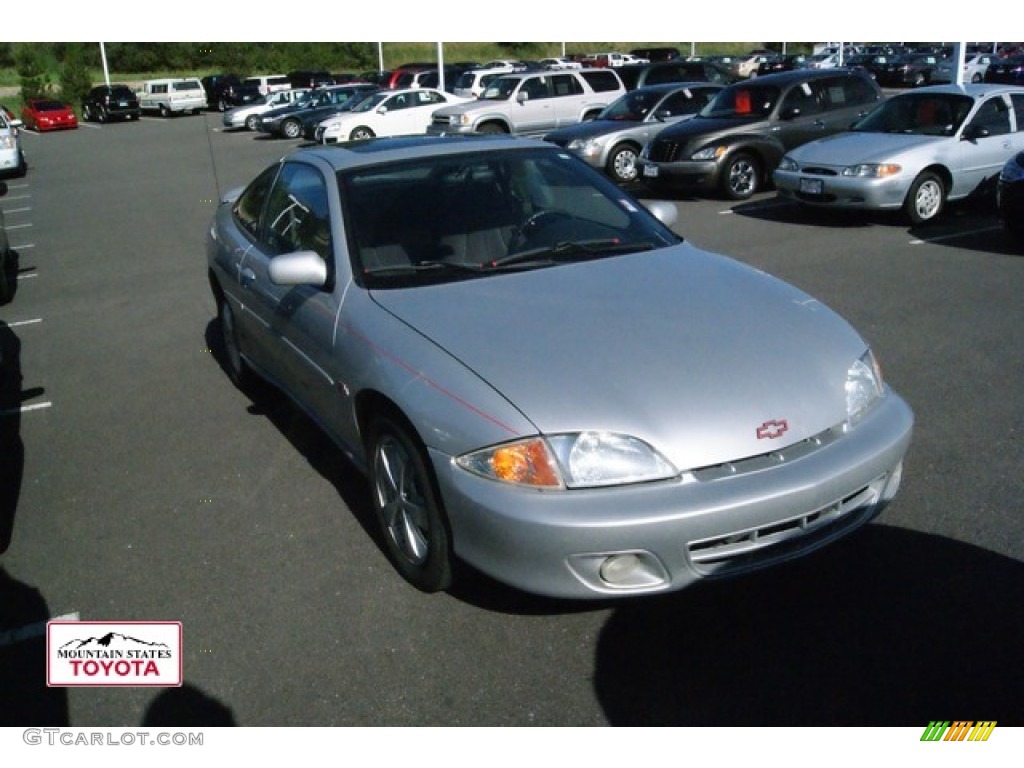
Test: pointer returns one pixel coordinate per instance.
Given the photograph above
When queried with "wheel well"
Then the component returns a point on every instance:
(943, 173)
(372, 403)
(218, 292)
(492, 124)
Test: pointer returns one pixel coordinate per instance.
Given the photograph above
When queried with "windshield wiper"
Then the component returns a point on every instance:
(424, 266)
(551, 254)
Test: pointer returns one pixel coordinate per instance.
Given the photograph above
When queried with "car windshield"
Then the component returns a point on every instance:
(743, 102)
(49, 106)
(370, 103)
(440, 219)
(933, 114)
(633, 107)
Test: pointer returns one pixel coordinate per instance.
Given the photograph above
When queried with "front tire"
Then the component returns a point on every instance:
(164, 111)
(292, 129)
(362, 132)
(492, 129)
(741, 176)
(252, 123)
(622, 164)
(926, 199)
(407, 505)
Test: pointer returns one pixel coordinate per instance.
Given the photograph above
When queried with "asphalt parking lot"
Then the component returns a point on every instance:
(136, 483)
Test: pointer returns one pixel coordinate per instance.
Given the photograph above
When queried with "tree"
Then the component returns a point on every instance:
(75, 75)
(28, 60)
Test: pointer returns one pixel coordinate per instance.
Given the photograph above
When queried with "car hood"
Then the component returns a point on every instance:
(591, 129)
(707, 127)
(853, 147)
(687, 350)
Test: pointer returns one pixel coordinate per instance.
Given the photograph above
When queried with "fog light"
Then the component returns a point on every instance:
(617, 569)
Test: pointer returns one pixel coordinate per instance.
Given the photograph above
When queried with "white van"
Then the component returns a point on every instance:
(173, 96)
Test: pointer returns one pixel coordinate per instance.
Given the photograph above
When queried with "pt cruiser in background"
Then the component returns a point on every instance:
(539, 377)
(914, 153)
(612, 141)
(735, 142)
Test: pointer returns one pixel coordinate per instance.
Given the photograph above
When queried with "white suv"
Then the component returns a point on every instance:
(531, 104)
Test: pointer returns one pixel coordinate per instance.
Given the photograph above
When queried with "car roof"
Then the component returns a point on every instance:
(785, 78)
(968, 89)
(357, 154)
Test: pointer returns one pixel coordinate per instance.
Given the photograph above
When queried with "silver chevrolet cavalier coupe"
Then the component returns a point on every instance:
(539, 377)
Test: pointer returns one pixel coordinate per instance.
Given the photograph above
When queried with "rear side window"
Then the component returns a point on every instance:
(188, 85)
(249, 206)
(851, 91)
(602, 81)
(1018, 109)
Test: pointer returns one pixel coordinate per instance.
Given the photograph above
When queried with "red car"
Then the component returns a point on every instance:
(48, 115)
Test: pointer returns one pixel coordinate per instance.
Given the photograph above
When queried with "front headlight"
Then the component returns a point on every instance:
(7, 142)
(872, 170)
(788, 164)
(709, 153)
(575, 460)
(584, 147)
(863, 385)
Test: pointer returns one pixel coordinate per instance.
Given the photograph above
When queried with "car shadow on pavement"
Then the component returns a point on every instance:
(12, 449)
(308, 439)
(25, 699)
(187, 707)
(889, 627)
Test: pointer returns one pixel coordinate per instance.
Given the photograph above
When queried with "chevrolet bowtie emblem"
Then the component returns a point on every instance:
(772, 429)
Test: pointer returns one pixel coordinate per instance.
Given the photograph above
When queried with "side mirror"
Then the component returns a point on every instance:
(662, 115)
(382, 110)
(663, 211)
(299, 268)
(972, 132)
(789, 113)
(522, 97)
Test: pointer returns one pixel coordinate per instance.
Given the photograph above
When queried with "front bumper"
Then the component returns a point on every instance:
(843, 191)
(691, 174)
(660, 537)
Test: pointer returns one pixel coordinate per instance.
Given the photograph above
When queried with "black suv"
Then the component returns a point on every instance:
(226, 91)
(111, 102)
(735, 143)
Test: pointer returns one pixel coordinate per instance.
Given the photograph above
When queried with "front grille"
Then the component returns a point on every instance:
(666, 151)
(774, 542)
(770, 459)
(816, 171)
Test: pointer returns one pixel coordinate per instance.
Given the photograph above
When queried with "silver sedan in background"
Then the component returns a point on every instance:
(539, 377)
(915, 152)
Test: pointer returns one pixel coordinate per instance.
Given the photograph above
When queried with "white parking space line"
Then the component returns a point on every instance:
(19, 323)
(955, 235)
(26, 408)
(8, 198)
(28, 276)
(27, 632)
(9, 211)
(17, 226)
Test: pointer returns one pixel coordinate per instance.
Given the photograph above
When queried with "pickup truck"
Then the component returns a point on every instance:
(531, 104)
